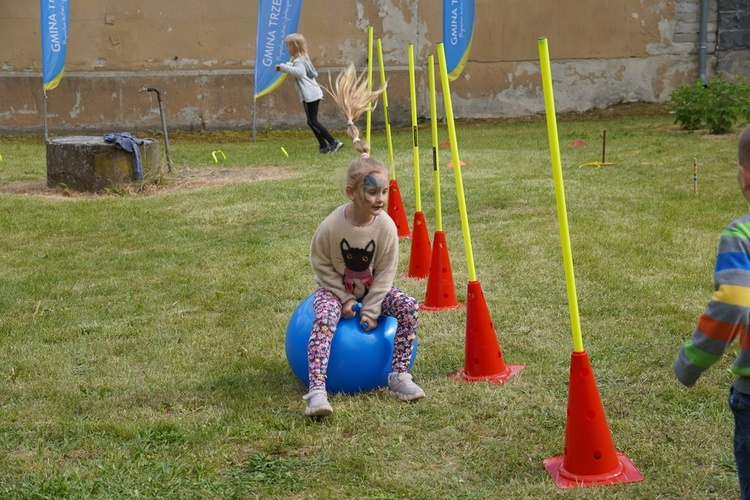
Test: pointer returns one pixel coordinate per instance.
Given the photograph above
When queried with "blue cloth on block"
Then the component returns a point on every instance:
(130, 144)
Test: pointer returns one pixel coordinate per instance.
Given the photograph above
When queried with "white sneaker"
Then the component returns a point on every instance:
(317, 403)
(401, 386)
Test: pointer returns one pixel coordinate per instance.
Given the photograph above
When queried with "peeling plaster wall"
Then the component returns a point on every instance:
(201, 55)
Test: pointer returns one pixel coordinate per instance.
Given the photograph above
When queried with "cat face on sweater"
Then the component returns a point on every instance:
(357, 259)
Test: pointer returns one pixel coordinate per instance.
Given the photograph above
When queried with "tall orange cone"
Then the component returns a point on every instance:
(419, 259)
(441, 292)
(396, 210)
(483, 358)
(590, 458)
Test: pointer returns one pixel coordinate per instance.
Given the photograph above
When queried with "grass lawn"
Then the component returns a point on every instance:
(142, 334)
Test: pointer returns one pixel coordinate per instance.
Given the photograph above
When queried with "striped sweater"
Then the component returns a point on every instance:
(727, 315)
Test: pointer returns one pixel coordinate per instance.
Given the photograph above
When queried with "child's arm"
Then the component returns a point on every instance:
(325, 273)
(296, 68)
(726, 316)
(384, 271)
(722, 322)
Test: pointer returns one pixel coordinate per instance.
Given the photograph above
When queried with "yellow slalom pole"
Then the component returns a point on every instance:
(414, 128)
(434, 130)
(369, 81)
(554, 149)
(456, 161)
(385, 109)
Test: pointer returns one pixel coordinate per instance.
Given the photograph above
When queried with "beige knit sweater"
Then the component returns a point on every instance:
(364, 258)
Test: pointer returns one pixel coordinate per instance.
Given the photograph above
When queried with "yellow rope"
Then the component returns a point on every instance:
(596, 164)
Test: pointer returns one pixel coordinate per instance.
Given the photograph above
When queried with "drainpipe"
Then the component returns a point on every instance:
(702, 41)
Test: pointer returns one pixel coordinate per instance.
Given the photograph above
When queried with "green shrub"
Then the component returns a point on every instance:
(688, 103)
(717, 105)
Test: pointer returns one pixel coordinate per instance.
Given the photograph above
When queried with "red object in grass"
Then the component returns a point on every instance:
(590, 457)
(578, 142)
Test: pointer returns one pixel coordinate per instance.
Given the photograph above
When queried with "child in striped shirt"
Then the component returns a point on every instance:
(725, 319)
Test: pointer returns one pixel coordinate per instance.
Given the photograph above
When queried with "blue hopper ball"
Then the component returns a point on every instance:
(359, 360)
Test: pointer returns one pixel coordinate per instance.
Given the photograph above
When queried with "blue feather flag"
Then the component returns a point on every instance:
(54, 19)
(458, 31)
(276, 20)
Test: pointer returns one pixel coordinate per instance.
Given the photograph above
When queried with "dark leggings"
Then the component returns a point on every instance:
(321, 133)
(740, 404)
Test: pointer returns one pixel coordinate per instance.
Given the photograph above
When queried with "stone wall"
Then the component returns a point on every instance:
(734, 38)
(201, 56)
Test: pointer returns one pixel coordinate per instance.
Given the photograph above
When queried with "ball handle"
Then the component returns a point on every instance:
(356, 308)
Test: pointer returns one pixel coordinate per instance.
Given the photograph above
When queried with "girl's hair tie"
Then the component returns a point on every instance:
(364, 155)
(349, 122)
(356, 140)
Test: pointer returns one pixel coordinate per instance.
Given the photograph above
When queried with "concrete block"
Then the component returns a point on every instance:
(87, 163)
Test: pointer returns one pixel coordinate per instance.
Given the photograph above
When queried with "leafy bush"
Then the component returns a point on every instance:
(688, 103)
(718, 105)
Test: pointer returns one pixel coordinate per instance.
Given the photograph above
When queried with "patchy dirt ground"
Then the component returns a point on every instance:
(180, 179)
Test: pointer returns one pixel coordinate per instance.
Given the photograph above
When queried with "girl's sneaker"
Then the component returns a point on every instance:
(317, 403)
(333, 148)
(400, 385)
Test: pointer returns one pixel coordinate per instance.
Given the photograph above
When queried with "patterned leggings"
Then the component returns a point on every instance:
(327, 308)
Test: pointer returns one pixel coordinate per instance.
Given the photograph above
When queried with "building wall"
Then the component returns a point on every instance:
(734, 37)
(201, 54)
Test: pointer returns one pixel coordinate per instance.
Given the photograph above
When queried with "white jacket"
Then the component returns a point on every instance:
(304, 79)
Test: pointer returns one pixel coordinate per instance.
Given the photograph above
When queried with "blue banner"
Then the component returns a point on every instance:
(458, 30)
(276, 20)
(54, 17)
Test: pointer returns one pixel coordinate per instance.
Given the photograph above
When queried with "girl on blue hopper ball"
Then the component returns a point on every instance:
(310, 93)
(354, 254)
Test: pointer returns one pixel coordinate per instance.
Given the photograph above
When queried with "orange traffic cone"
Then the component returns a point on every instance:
(590, 458)
(419, 260)
(396, 210)
(441, 293)
(483, 358)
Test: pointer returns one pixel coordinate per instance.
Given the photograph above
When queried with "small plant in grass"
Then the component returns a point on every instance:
(718, 105)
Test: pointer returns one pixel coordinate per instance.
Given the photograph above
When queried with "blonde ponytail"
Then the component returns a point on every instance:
(351, 95)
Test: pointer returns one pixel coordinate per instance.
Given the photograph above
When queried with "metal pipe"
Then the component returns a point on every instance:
(702, 41)
(46, 129)
(163, 124)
